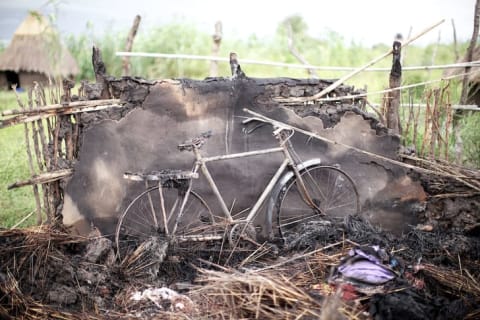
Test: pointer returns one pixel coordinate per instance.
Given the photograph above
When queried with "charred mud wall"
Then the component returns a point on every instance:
(158, 115)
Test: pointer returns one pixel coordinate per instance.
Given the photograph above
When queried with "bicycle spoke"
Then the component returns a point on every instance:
(143, 217)
(331, 190)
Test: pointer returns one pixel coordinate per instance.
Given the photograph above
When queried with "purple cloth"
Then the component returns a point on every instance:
(366, 265)
(366, 271)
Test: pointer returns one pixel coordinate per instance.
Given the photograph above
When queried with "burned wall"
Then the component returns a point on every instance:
(161, 114)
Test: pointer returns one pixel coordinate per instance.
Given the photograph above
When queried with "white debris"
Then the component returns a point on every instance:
(178, 301)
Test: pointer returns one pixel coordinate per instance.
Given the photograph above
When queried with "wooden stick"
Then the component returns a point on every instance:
(295, 53)
(337, 83)
(22, 220)
(288, 65)
(129, 44)
(34, 117)
(217, 39)
(55, 107)
(455, 46)
(45, 156)
(471, 47)
(361, 95)
(36, 195)
(43, 178)
(373, 155)
(393, 98)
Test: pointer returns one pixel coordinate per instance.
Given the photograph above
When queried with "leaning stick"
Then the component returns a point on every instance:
(56, 107)
(373, 155)
(43, 178)
(334, 85)
(67, 110)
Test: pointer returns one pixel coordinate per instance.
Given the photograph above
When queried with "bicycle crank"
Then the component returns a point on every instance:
(242, 235)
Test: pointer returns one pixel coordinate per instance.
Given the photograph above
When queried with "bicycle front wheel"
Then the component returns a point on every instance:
(333, 192)
(153, 213)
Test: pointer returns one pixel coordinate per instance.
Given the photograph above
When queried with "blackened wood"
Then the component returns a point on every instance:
(235, 66)
(100, 74)
(393, 97)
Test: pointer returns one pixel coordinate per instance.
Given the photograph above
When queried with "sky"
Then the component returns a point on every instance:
(366, 22)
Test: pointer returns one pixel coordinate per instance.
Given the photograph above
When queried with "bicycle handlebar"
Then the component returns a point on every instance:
(196, 142)
(277, 128)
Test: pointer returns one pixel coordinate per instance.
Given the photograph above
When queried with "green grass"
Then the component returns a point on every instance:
(15, 203)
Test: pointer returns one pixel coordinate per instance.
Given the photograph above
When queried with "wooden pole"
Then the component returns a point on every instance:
(295, 53)
(217, 39)
(129, 44)
(393, 97)
(36, 194)
(464, 95)
(337, 83)
(41, 149)
(471, 47)
(455, 45)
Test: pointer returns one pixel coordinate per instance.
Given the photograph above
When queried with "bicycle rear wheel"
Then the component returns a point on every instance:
(145, 217)
(332, 191)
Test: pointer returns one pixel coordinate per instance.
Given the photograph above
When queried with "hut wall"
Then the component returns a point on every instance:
(27, 78)
(3, 81)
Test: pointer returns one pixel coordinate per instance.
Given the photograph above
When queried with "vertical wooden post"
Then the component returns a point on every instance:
(129, 44)
(393, 97)
(217, 39)
(471, 47)
(42, 152)
(293, 50)
(100, 72)
(36, 194)
(464, 95)
(455, 45)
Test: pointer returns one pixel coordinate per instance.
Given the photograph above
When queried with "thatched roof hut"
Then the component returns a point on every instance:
(35, 54)
(473, 96)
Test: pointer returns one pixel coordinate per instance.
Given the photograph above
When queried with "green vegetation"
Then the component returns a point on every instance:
(16, 203)
(470, 134)
(179, 37)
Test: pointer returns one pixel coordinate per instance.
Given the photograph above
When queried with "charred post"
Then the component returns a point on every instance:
(100, 89)
(393, 97)
(235, 66)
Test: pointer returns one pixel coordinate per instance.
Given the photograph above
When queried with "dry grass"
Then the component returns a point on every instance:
(287, 290)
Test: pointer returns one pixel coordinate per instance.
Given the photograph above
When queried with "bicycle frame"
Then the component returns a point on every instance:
(201, 163)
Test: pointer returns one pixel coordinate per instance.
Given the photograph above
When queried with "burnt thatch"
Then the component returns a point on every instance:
(35, 54)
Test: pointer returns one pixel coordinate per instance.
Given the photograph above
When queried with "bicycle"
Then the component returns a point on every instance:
(298, 192)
